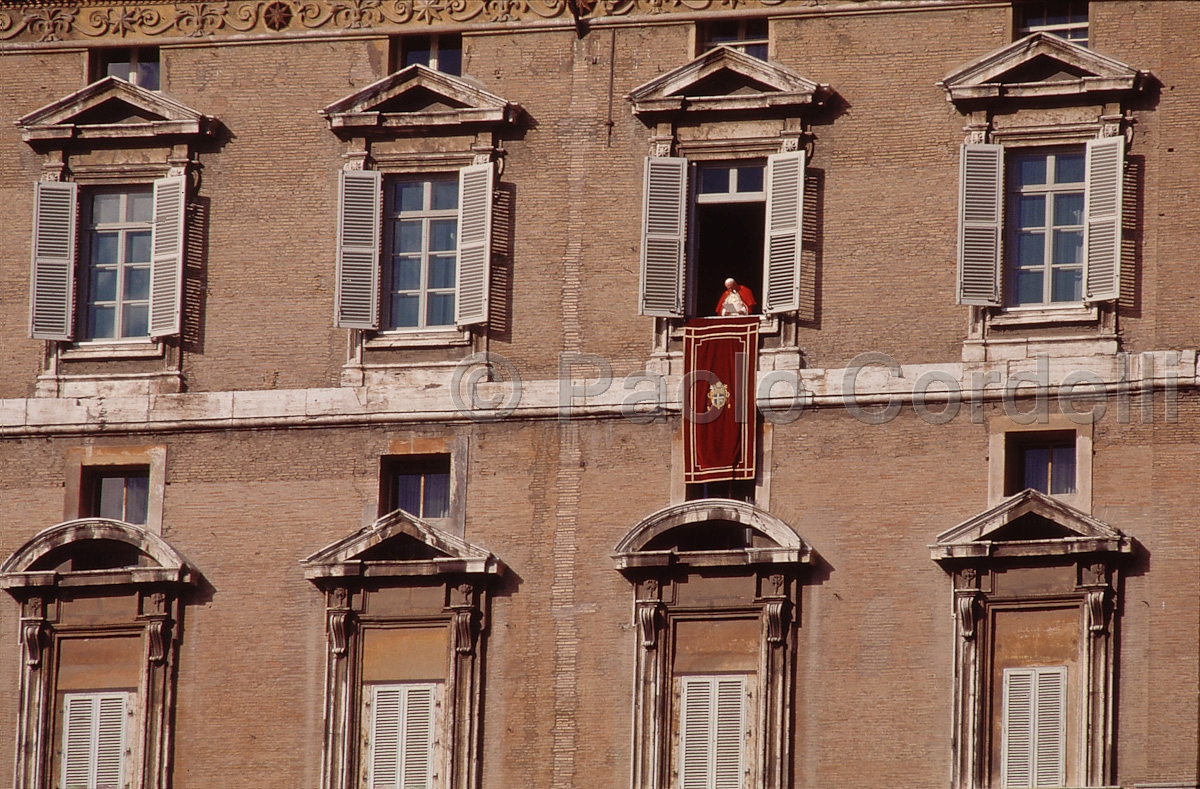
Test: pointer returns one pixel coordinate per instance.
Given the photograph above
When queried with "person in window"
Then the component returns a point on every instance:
(736, 300)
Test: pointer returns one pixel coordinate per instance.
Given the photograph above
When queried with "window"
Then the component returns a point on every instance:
(439, 52)
(1064, 18)
(417, 484)
(136, 65)
(422, 236)
(1034, 726)
(736, 489)
(712, 732)
(1053, 457)
(730, 216)
(93, 745)
(401, 742)
(748, 35)
(117, 226)
(118, 494)
(1044, 462)
(1045, 237)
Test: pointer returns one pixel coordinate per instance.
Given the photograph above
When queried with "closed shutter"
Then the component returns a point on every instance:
(52, 278)
(94, 740)
(418, 738)
(1105, 181)
(474, 244)
(166, 267)
(402, 737)
(79, 713)
(663, 236)
(730, 733)
(385, 737)
(713, 735)
(696, 735)
(1050, 727)
(1034, 727)
(980, 224)
(785, 220)
(110, 742)
(359, 216)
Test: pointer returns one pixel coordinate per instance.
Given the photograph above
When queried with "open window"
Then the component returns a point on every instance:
(406, 619)
(716, 603)
(101, 606)
(1035, 584)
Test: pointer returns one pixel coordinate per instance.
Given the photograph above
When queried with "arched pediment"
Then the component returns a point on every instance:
(1029, 524)
(725, 79)
(650, 542)
(400, 544)
(1041, 65)
(113, 109)
(418, 97)
(116, 552)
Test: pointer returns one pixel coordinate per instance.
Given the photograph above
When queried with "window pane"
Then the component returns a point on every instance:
(407, 237)
(405, 310)
(119, 70)
(147, 75)
(406, 273)
(104, 284)
(105, 249)
(135, 321)
(1062, 470)
(756, 28)
(137, 248)
(1068, 168)
(137, 284)
(410, 195)
(445, 195)
(1068, 246)
(441, 271)
(112, 498)
(1031, 170)
(1031, 249)
(101, 322)
(416, 50)
(441, 309)
(757, 51)
(437, 495)
(1037, 469)
(750, 179)
(721, 32)
(137, 493)
(450, 55)
(408, 493)
(140, 207)
(1032, 209)
(714, 180)
(1067, 284)
(1068, 209)
(1029, 287)
(442, 234)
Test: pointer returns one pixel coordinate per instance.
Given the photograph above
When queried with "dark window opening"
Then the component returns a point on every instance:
(136, 65)
(749, 35)
(417, 484)
(730, 219)
(1044, 462)
(736, 489)
(708, 536)
(1064, 18)
(92, 555)
(120, 494)
(439, 52)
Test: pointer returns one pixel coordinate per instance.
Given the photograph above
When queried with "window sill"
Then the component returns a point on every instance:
(429, 338)
(1041, 316)
(117, 349)
(767, 324)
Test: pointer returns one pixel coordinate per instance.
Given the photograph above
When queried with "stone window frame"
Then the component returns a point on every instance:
(467, 574)
(161, 583)
(1000, 429)
(80, 460)
(974, 553)
(777, 566)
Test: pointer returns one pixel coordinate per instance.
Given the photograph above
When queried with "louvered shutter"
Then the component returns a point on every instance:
(1105, 181)
(166, 266)
(418, 738)
(695, 742)
(730, 733)
(980, 224)
(1017, 765)
(1050, 727)
(110, 742)
(77, 751)
(663, 236)
(474, 243)
(386, 705)
(52, 285)
(359, 216)
(785, 221)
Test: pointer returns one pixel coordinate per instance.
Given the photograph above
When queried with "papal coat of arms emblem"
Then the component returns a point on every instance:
(718, 395)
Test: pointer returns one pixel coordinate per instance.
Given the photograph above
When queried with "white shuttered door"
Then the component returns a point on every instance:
(93, 753)
(663, 235)
(166, 266)
(785, 222)
(52, 276)
(1105, 181)
(712, 738)
(402, 737)
(980, 224)
(1034, 727)
(360, 198)
(474, 243)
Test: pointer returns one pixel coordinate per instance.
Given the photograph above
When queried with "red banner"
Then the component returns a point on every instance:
(719, 365)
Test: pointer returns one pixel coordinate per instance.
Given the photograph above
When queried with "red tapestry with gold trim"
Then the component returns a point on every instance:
(719, 364)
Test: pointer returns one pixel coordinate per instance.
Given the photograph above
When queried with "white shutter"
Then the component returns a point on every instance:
(785, 222)
(418, 738)
(663, 236)
(110, 742)
(1050, 727)
(93, 752)
(695, 741)
(474, 243)
(1105, 182)
(385, 737)
(77, 751)
(166, 266)
(730, 733)
(713, 732)
(980, 224)
(402, 737)
(360, 198)
(1034, 727)
(52, 275)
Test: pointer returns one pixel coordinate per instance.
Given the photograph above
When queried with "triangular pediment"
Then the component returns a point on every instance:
(400, 544)
(1041, 65)
(112, 108)
(725, 79)
(417, 97)
(1029, 524)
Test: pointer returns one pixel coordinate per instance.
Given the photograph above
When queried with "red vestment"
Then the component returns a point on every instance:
(744, 293)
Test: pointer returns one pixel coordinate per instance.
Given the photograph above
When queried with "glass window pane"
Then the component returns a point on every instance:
(1062, 470)
(137, 493)
(407, 237)
(112, 498)
(1037, 469)
(443, 234)
(721, 32)
(135, 320)
(104, 284)
(445, 195)
(106, 209)
(139, 207)
(408, 493)
(405, 310)
(147, 75)
(441, 309)
(450, 55)
(1068, 246)
(437, 495)
(406, 273)
(441, 271)
(1031, 249)
(1029, 286)
(1067, 284)
(714, 180)
(409, 196)
(1068, 209)
(119, 70)
(756, 28)
(105, 249)
(757, 51)
(137, 248)
(137, 284)
(101, 322)
(1031, 170)
(1032, 210)
(1068, 168)
(750, 179)
(416, 50)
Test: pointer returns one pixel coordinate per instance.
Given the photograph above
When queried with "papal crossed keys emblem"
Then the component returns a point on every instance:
(718, 395)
